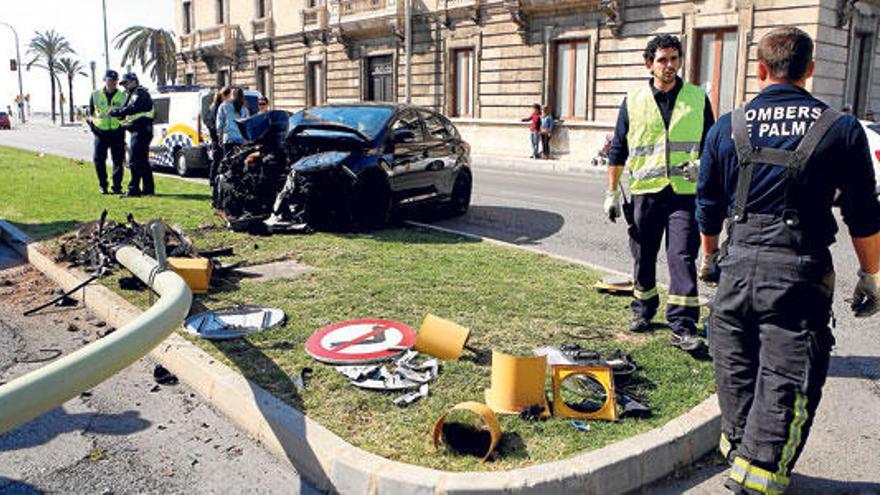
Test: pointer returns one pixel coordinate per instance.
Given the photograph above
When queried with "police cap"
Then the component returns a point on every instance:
(111, 75)
(129, 76)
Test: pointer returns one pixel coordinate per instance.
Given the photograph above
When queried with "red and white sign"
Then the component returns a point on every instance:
(360, 341)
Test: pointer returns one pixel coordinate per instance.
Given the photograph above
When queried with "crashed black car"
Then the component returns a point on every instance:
(352, 165)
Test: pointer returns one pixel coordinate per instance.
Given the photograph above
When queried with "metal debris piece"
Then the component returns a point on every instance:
(299, 381)
(231, 323)
(403, 373)
(408, 398)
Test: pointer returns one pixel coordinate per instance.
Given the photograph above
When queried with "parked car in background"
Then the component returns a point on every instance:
(180, 134)
(872, 130)
(4, 121)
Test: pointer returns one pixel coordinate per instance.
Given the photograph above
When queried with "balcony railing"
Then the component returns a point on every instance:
(315, 18)
(557, 4)
(351, 7)
(456, 4)
(263, 28)
(224, 36)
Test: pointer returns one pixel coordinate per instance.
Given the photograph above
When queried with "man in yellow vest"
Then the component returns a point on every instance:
(108, 131)
(659, 135)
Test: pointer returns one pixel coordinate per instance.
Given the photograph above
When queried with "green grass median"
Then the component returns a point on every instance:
(511, 300)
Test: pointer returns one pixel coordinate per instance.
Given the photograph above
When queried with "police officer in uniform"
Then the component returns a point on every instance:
(108, 131)
(771, 169)
(137, 118)
(659, 135)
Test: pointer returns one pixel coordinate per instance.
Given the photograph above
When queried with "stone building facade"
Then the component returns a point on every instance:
(485, 62)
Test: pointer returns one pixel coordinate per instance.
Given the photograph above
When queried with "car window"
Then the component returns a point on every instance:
(250, 101)
(874, 127)
(206, 107)
(408, 120)
(161, 106)
(434, 126)
(368, 120)
(451, 129)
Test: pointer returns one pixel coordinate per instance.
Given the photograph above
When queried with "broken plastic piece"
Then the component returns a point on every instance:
(580, 425)
(408, 398)
(517, 383)
(601, 374)
(441, 338)
(299, 381)
(615, 284)
(401, 374)
(231, 323)
(632, 407)
(490, 423)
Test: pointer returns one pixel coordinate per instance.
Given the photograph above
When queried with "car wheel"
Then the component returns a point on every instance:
(371, 207)
(460, 199)
(180, 163)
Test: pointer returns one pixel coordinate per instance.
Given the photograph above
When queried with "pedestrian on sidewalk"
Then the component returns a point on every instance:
(770, 335)
(220, 96)
(547, 124)
(660, 131)
(108, 131)
(137, 118)
(231, 110)
(534, 129)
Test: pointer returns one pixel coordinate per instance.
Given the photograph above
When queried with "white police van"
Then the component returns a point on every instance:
(180, 135)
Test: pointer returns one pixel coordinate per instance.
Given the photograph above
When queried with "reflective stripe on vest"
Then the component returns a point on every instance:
(656, 156)
(131, 118)
(101, 120)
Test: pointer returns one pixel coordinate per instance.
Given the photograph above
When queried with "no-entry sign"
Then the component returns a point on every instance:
(360, 341)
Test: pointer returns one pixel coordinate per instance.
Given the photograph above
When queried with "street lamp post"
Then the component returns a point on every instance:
(18, 69)
(106, 44)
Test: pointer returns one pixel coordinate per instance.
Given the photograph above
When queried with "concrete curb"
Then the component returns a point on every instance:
(334, 465)
(531, 165)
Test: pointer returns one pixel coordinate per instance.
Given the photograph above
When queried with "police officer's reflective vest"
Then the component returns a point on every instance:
(150, 114)
(101, 120)
(656, 155)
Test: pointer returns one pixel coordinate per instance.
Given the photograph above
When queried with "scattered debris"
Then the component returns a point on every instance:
(402, 373)
(441, 338)
(615, 284)
(299, 381)
(71, 327)
(106, 332)
(468, 438)
(580, 425)
(96, 455)
(62, 297)
(633, 408)
(155, 388)
(231, 323)
(48, 355)
(131, 283)
(532, 413)
(218, 252)
(163, 376)
(407, 399)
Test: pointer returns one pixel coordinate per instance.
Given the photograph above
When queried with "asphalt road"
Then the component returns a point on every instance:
(127, 435)
(561, 214)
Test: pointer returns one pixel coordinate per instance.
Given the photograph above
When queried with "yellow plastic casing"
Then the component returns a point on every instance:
(441, 338)
(517, 383)
(490, 420)
(602, 374)
(196, 272)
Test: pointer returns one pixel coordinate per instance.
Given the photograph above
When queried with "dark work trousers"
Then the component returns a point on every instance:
(770, 340)
(673, 214)
(115, 142)
(141, 173)
(545, 145)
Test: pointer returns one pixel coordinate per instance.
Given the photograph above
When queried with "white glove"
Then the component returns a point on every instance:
(612, 205)
(866, 297)
(709, 272)
(691, 170)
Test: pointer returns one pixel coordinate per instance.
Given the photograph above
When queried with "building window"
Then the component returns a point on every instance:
(716, 72)
(187, 17)
(223, 79)
(857, 87)
(572, 65)
(315, 3)
(463, 83)
(380, 78)
(261, 8)
(315, 84)
(264, 81)
(221, 12)
(190, 79)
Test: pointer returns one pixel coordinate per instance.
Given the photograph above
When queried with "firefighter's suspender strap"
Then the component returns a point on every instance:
(795, 161)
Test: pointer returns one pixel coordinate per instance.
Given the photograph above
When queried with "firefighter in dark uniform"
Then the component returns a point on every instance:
(108, 132)
(771, 170)
(137, 118)
(660, 130)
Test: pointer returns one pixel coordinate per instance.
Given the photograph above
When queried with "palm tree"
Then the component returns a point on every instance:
(47, 47)
(70, 68)
(154, 49)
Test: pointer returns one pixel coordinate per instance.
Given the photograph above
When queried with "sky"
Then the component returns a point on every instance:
(81, 22)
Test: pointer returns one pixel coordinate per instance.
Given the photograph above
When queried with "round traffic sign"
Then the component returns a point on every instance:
(360, 341)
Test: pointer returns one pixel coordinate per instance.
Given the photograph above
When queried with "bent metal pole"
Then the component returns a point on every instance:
(50, 386)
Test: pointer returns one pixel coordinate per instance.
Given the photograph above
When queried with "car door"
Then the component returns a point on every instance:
(440, 152)
(409, 147)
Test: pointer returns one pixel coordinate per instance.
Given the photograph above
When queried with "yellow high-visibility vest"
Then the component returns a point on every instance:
(657, 154)
(102, 106)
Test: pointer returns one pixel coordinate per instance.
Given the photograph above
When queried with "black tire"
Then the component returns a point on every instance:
(371, 205)
(460, 199)
(181, 163)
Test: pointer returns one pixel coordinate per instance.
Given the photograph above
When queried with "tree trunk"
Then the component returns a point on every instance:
(161, 70)
(52, 80)
(70, 94)
(61, 102)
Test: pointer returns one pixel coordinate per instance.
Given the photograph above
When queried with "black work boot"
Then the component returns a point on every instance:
(104, 190)
(640, 324)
